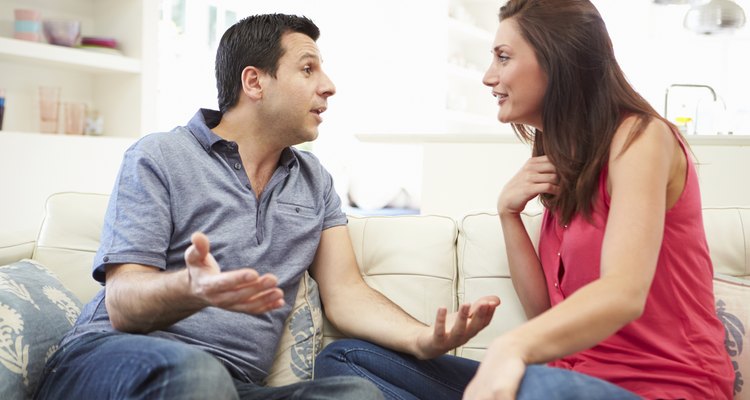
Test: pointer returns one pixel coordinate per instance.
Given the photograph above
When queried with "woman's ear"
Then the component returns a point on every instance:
(251, 83)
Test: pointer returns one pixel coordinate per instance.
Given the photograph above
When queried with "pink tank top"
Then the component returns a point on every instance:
(676, 348)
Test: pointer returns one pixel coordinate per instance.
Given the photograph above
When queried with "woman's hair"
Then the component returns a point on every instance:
(586, 98)
(254, 41)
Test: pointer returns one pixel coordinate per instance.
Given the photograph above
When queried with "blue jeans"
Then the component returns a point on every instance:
(401, 376)
(112, 365)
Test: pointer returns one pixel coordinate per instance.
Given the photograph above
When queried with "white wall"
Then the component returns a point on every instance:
(33, 166)
(460, 178)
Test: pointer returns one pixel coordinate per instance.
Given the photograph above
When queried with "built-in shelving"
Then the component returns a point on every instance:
(42, 54)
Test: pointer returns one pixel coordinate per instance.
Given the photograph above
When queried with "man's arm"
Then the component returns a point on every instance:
(359, 311)
(143, 298)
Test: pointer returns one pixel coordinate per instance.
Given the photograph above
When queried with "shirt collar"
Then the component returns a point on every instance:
(204, 120)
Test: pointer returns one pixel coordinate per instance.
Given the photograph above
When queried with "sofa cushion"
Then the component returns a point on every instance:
(35, 312)
(732, 296)
(409, 259)
(483, 270)
(302, 338)
(69, 238)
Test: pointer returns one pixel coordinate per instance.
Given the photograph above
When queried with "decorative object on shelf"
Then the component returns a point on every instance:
(49, 108)
(94, 123)
(716, 16)
(62, 32)
(104, 45)
(26, 25)
(75, 114)
(2, 107)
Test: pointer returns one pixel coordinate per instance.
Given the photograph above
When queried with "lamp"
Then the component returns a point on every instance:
(714, 17)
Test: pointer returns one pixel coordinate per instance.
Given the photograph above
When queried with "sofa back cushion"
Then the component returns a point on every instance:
(410, 259)
(728, 235)
(69, 238)
(483, 270)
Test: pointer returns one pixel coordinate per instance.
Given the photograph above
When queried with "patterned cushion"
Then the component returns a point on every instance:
(733, 308)
(35, 311)
(302, 338)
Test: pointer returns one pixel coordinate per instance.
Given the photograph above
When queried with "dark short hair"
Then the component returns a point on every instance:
(254, 41)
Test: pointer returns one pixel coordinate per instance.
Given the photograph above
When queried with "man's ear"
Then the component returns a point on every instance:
(252, 85)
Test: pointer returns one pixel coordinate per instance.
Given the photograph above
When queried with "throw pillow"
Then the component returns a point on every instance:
(36, 310)
(302, 338)
(733, 309)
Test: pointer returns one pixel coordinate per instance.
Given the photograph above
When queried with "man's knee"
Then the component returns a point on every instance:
(344, 387)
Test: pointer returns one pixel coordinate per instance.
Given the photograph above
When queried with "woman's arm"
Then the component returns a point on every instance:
(639, 179)
(535, 177)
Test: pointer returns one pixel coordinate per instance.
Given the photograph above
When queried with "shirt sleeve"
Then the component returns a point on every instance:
(138, 222)
(334, 216)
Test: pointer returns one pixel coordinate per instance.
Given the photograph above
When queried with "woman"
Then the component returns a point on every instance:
(621, 291)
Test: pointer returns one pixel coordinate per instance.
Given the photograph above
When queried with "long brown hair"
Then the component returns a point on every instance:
(586, 98)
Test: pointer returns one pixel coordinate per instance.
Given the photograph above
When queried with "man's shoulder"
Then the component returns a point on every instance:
(158, 142)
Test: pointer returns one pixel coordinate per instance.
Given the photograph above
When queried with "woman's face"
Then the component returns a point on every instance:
(516, 79)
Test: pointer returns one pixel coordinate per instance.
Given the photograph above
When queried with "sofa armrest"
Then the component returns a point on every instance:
(16, 245)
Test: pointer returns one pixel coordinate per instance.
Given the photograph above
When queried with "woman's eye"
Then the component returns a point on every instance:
(503, 59)
(307, 70)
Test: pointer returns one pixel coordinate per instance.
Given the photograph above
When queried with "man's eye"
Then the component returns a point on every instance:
(307, 70)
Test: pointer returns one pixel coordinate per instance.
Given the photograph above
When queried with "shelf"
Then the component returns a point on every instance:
(14, 50)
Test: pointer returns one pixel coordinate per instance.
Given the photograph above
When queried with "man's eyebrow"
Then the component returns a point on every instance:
(308, 55)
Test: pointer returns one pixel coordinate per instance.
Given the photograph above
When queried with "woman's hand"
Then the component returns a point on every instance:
(537, 176)
(499, 375)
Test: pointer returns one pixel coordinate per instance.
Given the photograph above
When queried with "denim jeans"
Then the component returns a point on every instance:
(401, 376)
(116, 365)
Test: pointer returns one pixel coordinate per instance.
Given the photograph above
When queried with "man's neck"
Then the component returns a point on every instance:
(260, 155)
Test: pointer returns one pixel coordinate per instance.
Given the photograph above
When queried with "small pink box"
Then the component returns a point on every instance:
(23, 14)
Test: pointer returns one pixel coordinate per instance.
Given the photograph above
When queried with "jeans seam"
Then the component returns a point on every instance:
(395, 361)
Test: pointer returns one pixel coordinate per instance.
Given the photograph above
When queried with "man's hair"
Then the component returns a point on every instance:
(254, 41)
(586, 98)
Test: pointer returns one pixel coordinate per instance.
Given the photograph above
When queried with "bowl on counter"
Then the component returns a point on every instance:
(62, 32)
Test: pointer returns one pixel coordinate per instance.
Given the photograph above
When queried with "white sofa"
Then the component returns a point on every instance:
(420, 262)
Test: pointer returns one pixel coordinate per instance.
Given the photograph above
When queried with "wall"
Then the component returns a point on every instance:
(33, 166)
(463, 177)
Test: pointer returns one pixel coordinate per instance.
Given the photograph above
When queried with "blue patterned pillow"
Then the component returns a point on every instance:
(302, 338)
(35, 312)
(733, 308)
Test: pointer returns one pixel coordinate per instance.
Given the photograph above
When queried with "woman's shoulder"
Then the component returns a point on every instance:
(641, 131)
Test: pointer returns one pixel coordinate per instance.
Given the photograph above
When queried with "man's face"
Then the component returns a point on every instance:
(295, 100)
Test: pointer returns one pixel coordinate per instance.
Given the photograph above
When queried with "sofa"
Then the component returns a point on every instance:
(419, 262)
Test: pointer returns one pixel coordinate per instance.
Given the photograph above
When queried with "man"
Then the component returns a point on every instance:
(182, 318)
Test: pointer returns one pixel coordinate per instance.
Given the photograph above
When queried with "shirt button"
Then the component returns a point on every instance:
(565, 226)
(237, 166)
(555, 284)
(558, 254)
(296, 209)
(105, 259)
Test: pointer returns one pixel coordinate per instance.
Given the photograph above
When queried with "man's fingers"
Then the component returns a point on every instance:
(459, 326)
(262, 302)
(197, 252)
(440, 322)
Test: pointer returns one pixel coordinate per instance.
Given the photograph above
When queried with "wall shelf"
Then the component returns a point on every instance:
(21, 51)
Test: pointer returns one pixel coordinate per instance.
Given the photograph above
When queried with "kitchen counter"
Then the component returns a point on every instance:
(510, 138)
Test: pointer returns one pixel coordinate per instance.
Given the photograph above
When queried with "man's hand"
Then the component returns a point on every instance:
(451, 331)
(240, 290)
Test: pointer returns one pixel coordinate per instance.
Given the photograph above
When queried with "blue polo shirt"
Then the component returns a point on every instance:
(172, 184)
